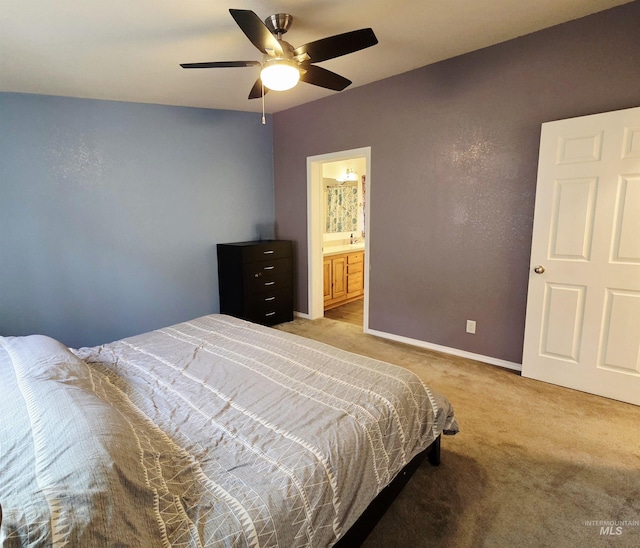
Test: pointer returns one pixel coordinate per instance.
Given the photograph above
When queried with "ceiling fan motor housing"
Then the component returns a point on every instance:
(287, 49)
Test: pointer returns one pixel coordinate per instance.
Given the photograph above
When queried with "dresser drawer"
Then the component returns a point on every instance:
(276, 249)
(265, 276)
(270, 308)
(354, 258)
(278, 315)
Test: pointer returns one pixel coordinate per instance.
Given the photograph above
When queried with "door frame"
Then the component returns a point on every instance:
(315, 232)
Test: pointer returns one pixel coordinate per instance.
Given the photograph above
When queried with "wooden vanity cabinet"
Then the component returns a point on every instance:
(335, 279)
(355, 275)
(343, 278)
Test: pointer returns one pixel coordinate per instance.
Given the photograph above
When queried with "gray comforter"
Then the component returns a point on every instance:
(213, 432)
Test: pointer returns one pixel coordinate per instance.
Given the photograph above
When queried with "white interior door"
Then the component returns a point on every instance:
(582, 328)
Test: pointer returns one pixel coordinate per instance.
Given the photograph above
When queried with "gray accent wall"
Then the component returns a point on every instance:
(454, 149)
(110, 212)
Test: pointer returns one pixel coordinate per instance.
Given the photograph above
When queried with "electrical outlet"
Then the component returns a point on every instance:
(471, 327)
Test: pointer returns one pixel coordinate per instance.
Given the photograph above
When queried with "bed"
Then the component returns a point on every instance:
(212, 432)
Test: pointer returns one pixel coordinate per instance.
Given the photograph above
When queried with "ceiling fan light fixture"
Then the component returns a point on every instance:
(349, 175)
(280, 74)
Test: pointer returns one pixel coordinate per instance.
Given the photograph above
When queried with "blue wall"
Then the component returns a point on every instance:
(110, 212)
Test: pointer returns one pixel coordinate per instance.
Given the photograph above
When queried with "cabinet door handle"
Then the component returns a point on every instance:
(270, 299)
(268, 252)
(268, 267)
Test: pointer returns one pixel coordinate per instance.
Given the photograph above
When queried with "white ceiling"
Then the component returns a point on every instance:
(130, 50)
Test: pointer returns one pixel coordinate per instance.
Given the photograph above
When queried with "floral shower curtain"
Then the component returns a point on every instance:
(342, 209)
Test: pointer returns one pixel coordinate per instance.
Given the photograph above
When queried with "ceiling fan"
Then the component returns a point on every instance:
(282, 65)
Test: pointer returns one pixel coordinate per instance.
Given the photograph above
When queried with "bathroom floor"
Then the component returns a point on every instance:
(352, 312)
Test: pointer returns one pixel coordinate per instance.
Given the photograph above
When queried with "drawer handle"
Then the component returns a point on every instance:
(270, 299)
(270, 314)
(268, 267)
(268, 252)
(269, 283)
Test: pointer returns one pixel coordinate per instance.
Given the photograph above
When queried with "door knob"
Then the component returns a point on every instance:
(539, 269)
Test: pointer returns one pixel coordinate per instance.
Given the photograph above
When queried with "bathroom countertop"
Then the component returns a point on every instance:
(336, 249)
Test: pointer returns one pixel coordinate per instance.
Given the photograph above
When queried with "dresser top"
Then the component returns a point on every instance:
(253, 242)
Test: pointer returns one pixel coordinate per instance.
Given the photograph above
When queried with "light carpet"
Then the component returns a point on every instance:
(534, 464)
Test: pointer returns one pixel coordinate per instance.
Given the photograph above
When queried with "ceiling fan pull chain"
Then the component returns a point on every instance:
(263, 119)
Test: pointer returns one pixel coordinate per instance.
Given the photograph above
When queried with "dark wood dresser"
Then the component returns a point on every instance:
(255, 280)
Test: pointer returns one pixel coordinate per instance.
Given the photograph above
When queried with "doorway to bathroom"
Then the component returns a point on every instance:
(338, 204)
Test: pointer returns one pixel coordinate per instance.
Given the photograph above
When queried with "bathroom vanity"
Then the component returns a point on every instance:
(343, 274)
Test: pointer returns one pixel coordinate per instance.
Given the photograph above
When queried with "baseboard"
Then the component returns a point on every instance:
(446, 350)
(430, 346)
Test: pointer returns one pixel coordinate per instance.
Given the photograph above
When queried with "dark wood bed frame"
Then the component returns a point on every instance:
(371, 516)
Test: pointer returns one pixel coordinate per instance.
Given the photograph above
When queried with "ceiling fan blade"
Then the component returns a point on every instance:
(324, 78)
(340, 44)
(220, 64)
(256, 90)
(257, 32)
